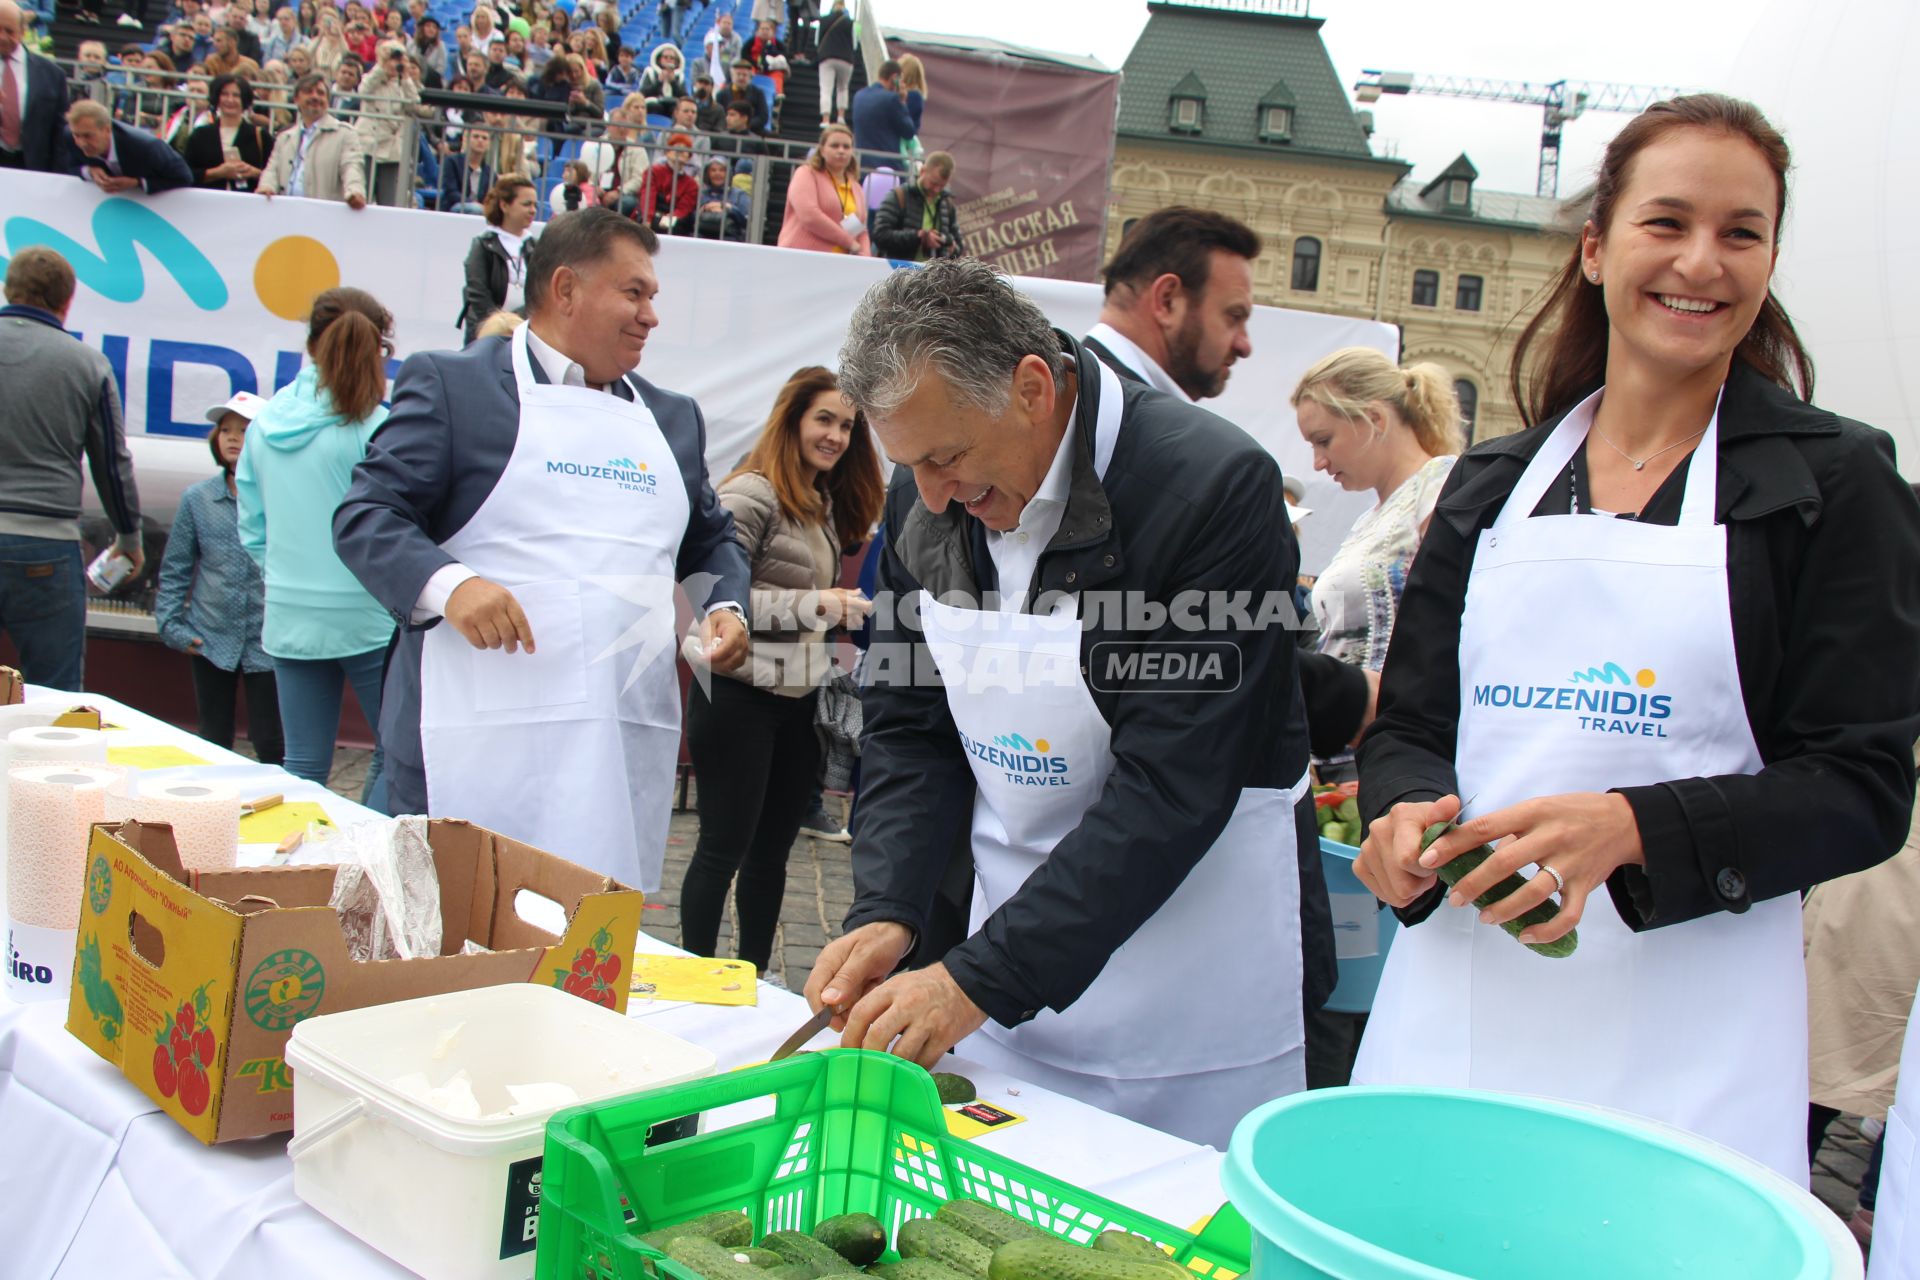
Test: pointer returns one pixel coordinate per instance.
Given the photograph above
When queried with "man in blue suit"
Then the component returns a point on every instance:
(118, 157)
(530, 513)
(33, 99)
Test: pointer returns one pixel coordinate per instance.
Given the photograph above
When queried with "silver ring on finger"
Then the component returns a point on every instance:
(1559, 880)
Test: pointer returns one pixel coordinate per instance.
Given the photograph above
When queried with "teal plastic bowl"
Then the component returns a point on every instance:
(1393, 1184)
(1362, 930)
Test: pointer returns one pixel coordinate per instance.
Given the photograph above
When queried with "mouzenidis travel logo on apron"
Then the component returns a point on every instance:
(623, 472)
(1027, 763)
(1602, 699)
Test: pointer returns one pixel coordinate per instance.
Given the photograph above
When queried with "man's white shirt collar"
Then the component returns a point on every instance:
(560, 370)
(1137, 360)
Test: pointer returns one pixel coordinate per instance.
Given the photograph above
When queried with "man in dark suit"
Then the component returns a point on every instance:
(533, 568)
(118, 157)
(33, 100)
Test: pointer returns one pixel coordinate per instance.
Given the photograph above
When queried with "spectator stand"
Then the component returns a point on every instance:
(554, 140)
(152, 99)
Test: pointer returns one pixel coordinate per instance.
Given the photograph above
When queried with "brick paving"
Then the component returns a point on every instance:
(820, 889)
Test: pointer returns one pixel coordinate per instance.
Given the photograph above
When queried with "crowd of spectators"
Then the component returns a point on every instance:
(323, 100)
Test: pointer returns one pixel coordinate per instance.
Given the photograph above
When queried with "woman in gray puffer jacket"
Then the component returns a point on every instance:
(809, 493)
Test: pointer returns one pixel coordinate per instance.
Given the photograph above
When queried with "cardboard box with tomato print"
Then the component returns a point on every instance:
(191, 982)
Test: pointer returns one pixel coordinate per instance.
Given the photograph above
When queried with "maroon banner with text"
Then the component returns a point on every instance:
(1032, 142)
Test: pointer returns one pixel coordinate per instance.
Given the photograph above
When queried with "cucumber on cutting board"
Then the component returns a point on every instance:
(927, 1238)
(729, 1228)
(1058, 1260)
(1459, 868)
(858, 1237)
(986, 1224)
(801, 1248)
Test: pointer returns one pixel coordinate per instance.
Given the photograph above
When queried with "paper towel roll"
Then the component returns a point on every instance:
(33, 745)
(205, 817)
(54, 807)
(19, 715)
(28, 715)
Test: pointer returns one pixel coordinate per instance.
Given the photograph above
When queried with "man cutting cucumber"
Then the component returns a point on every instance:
(1075, 669)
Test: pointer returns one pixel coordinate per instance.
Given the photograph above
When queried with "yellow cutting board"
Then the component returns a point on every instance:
(271, 826)
(695, 979)
(163, 757)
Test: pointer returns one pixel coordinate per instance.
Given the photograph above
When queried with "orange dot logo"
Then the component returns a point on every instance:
(1644, 678)
(291, 272)
(1040, 745)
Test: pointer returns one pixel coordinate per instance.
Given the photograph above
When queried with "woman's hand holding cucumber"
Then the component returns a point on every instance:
(1583, 836)
(1389, 861)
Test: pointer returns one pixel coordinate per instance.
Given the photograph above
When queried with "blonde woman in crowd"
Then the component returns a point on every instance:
(826, 210)
(330, 45)
(1373, 425)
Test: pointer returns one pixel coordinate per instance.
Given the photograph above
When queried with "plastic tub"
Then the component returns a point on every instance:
(1398, 1184)
(443, 1195)
(1363, 930)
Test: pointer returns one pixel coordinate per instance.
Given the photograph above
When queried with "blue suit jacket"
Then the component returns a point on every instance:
(46, 118)
(139, 155)
(415, 490)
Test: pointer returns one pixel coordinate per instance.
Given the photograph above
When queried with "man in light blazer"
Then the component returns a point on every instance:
(318, 156)
(529, 513)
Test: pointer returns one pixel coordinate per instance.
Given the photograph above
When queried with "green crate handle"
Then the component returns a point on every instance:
(850, 1131)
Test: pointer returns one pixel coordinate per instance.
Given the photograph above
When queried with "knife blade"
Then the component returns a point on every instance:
(808, 1030)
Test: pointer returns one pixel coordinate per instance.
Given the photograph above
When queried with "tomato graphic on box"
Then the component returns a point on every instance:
(184, 1052)
(595, 971)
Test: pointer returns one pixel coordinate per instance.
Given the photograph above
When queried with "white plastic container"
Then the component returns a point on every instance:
(443, 1195)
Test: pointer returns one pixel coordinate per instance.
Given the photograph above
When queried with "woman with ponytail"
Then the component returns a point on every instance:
(1373, 425)
(1657, 650)
(322, 629)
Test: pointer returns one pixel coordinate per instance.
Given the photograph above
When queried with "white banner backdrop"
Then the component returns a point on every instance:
(193, 295)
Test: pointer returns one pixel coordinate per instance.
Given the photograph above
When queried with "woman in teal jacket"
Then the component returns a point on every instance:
(322, 629)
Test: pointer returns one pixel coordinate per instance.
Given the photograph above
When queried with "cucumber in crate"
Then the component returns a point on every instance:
(848, 1165)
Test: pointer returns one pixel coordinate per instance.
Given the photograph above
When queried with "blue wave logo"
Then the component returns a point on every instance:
(1012, 741)
(121, 228)
(1612, 673)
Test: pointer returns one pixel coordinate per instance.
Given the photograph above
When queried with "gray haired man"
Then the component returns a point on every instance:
(1089, 566)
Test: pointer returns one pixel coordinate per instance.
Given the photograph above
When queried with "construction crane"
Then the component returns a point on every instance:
(1560, 101)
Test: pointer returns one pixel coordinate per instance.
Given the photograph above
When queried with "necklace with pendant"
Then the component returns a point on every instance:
(1640, 464)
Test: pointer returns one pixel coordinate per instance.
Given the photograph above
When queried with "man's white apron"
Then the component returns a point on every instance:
(571, 748)
(1598, 653)
(1196, 1019)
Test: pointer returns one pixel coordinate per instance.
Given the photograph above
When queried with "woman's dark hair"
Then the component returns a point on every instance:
(494, 204)
(213, 445)
(855, 486)
(559, 69)
(219, 86)
(350, 336)
(1572, 323)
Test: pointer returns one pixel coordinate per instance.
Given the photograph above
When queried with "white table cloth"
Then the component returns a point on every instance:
(96, 1181)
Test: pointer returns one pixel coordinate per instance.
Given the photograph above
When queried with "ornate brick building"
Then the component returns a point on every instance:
(1235, 105)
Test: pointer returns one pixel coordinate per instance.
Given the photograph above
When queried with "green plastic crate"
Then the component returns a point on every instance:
(844, 1131)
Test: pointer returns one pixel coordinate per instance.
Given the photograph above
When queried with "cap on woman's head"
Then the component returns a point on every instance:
(244, 403)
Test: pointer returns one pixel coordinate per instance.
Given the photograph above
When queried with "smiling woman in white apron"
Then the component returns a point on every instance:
(1663, 643)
